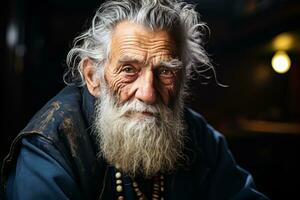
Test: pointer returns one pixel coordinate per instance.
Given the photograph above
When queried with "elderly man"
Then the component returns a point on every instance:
(119, 130)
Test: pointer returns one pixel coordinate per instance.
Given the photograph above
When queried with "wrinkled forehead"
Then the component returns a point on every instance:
(129, 39)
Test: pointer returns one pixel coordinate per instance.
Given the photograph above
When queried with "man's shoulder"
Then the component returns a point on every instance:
(68, 99)
(199, 124)
(61, 109)
(204, 136)
(59, 130)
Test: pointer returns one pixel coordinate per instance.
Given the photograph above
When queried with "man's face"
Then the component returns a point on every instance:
(142, 65)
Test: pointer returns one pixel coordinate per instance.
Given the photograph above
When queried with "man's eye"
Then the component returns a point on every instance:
(128, 69)
(165, 72)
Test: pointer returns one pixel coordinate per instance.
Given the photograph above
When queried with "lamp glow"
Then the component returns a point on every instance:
(283, 42)
(281, 62)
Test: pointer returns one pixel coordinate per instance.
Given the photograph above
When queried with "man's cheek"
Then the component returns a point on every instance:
(171, 93)
(115, 84)
(120, 90)
(164, 94)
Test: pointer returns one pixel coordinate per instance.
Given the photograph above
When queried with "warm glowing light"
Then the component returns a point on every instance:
(281, 62)
(283, 42)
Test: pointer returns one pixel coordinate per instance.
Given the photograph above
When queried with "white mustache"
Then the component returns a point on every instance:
(138, 106)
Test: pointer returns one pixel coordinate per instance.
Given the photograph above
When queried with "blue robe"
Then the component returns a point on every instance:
(55, 157)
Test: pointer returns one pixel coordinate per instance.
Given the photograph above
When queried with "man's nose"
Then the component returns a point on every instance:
(146, 90)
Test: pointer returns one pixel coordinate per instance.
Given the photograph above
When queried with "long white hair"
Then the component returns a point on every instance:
(179, 18)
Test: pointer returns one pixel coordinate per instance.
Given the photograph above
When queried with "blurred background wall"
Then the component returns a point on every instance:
(259, 113)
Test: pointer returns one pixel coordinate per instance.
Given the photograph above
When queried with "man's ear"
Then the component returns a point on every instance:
(90, 76)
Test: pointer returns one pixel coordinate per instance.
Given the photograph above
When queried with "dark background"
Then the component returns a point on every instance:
(259, 113)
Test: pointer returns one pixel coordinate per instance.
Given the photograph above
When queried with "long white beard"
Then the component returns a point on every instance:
(139, 145)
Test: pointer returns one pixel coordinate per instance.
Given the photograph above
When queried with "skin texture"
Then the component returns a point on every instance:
(142, 65)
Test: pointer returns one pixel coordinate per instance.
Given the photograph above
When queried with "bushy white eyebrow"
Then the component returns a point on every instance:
(125, 59)
(174, 64)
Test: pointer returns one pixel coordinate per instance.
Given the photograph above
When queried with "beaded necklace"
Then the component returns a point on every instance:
(157, 193)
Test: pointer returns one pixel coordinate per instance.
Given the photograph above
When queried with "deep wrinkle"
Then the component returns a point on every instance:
(141, 64)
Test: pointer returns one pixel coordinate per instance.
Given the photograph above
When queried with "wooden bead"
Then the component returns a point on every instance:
(118, 175)
(139, 193)
(155, 195)
(120, 198)
(119, 188)
(134, 184)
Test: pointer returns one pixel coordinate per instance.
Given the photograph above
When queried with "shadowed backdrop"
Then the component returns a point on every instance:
(259, 111)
